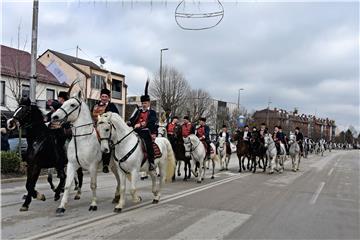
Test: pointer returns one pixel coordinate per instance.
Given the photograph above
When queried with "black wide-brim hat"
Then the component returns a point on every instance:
(63, 95)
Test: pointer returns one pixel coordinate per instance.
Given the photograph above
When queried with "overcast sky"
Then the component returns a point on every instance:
(303, 54)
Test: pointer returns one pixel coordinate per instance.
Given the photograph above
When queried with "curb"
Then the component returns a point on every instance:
(18, 179)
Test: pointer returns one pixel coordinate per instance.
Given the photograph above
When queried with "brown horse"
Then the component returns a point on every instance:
(242, 150)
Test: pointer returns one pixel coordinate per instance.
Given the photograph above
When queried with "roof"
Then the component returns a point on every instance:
(17, 63)
(71, 60)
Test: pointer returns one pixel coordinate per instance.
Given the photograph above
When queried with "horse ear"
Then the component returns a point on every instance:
(79, 94)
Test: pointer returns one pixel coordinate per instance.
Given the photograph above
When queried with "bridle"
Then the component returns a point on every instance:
(68, 114)
(191, 146)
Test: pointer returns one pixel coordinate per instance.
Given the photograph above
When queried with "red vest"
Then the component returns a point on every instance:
(186, 129)
(170, 128)
(143, 118)
(200, 132)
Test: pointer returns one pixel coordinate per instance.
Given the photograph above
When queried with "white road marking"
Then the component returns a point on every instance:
(214, 226)
(330, 172)
(317, 193)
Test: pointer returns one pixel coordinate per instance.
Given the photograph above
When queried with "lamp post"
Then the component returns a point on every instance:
(162, 84)
(161, 51)
(238, 103)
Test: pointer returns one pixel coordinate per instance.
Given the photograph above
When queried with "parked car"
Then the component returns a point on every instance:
(14, 143)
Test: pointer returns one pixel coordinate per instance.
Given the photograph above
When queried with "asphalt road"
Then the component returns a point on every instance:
(321, 201)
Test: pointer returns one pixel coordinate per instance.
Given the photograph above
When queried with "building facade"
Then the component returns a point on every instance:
(92, 78)
(15, 80)
(309, 125)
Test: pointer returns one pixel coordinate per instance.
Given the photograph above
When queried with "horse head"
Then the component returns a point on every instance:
(105, 130)
(188, 146)
(162, 130)
(25, 115)
(267, 139)
(69, 111)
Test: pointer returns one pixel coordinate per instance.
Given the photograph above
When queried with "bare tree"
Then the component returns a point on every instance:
(198, 103)
(171, 91)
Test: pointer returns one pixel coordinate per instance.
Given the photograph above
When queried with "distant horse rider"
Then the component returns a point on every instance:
(187, 127)
(103, 106)
(144, 122)
(224, 133)
(203, 133)
(299, 139)
(170, 129)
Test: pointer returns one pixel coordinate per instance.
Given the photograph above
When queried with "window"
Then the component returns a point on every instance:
(97, 81)
(120, 108)
(50, 94)
(2, 93)
(25, 90)
(116, 89)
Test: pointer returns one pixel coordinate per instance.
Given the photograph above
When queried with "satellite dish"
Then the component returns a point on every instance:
(102, 61)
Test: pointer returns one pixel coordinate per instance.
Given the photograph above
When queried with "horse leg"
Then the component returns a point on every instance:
(80, 176)
(240, 169)
(188, 166)
(134, 177)
(298, 163)
(204, 169)
(59, 188)
(113, 169)
(200, 171)
(122, 188)
(243, 162)
(178, 171)
(33, 172)
(50, 179)
(93, 176)
(154, 189)
(254, 164)
(70, 172)
(213, 169)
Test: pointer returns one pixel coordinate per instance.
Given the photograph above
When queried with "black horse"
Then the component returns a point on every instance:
(257, 150)
(43, 149)
(177, 142)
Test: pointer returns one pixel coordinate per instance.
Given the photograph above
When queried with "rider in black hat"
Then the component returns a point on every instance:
(144, 122)
(103, 106)
(203, 133)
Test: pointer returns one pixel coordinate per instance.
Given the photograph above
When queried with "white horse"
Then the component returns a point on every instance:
(271, 152)
(83, 149)
(128, 154)
(224, 154)
(322, 146)
(196, 150)
(294, 152)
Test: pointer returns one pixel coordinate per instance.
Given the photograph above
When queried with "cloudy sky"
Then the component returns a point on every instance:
(302, 54)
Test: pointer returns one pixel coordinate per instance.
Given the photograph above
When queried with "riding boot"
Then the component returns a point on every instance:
(106, 161)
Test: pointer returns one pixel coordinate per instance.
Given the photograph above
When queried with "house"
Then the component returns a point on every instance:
(15, 80)
(92, 77)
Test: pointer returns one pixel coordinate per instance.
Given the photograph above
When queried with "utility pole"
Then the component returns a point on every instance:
(34, 35)
(162, 84)
(238, 103)
(77, 51)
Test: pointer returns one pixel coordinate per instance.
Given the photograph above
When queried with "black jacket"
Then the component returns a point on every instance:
(299, 137)
(151, 121)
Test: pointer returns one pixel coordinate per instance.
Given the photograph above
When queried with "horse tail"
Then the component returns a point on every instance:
(171, 164)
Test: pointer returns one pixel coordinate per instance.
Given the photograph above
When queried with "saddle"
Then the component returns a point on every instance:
(157, 152)
(207, 146)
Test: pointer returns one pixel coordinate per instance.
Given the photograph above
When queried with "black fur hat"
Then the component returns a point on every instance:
(105, 91)
(224, 126)
(203, 119)
(63, 95)
(25, 101)
(145, 97)
(186, 117)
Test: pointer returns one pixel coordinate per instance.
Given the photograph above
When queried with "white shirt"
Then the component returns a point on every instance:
(245, 135)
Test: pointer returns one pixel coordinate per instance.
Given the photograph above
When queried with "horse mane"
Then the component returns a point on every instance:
(116, 119)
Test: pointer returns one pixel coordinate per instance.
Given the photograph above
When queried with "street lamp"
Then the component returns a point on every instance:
(238, 103)
(161, 50)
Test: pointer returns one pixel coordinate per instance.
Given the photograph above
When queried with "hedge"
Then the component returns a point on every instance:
(10, 162)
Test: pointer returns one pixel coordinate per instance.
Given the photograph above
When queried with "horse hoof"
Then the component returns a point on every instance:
(185, 179)
(226, 169)
(77, 197)
(24, 209)
(212, 177)
(92, 208)
(117, 210)
(222, 169)
(198, 181)
(60, 212)
(272, 172)
(158, 175)
(155, 201)
(207, 168)
(297, 169)
(179, 174)
(41, 197)
(239, 170)
(76, 188)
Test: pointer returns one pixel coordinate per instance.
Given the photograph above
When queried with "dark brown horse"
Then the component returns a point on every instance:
(177, 142)
(242, 150)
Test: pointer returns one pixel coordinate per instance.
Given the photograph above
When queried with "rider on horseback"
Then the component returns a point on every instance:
(144, 122)
(278, 138)
(246, 135)
(225, 134)
(187, 128)
(299, 139)
(62, 133)
(202, 132)
(170, 128)
(103, 106)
